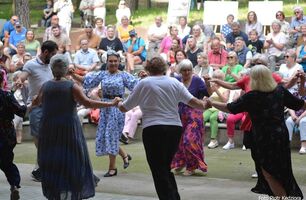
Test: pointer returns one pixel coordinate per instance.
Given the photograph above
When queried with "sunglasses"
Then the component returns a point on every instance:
(230, 57)
(286, 56)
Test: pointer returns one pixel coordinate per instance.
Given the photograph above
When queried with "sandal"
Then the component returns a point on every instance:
(126, 160)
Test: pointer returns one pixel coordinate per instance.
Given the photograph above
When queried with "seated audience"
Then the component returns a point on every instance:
(123, 30)
(193, 50)
(92, 38)
(211, 115)
(60, 38)
(32, 45)
(17, 59)
(301, 40)
(244, 54)
(217, 56)
(183, 28)
(285, 26)
(301, 56)
(227, 28)
(203, 68)
(16, 36)
(254, 44)
(156, 33)
(201, 40)
(171, 53)
(136, 53)
(230, 38)
(253, 24)
(275, 45)
(100, 29)
(233, 68)
(296, 22)
(290, 68)
(166, 43)
(110, 42)
(86, 59)
(48, 31)
(8, 27)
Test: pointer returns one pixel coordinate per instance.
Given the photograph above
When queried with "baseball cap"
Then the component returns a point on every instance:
(132, 32)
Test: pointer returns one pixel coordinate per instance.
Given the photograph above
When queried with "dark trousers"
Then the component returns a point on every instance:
(6, 160)
(161, 143)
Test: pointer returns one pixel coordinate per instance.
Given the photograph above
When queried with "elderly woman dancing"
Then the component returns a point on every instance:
(272, 146)
(190, 153)
(62, 151)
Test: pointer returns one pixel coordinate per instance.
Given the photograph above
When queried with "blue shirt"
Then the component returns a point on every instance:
(296, 24)
(139, 43)
(15, 37)
(87, 58)
(226, 29)
(9, 27)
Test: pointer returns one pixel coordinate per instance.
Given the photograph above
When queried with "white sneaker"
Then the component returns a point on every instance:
(302, 150)
(243, 148)
(213, 144)
(229, 146)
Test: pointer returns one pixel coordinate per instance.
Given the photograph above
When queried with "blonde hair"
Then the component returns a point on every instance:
(262, 79)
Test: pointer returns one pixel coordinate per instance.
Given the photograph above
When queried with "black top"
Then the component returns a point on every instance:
(255, 47)
(192, 56)
(107, 44)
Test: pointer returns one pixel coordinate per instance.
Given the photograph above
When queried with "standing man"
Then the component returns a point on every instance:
(37, 71)
(156, 34)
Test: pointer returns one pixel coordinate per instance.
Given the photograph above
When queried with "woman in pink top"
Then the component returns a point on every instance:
(166, 43)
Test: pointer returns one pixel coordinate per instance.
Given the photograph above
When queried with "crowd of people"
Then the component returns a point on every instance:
(184, 65)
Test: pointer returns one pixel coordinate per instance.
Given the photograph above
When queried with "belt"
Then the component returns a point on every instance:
(111, 96)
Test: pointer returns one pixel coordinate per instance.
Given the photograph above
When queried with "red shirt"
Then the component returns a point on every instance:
(244, 84)
(217, 58)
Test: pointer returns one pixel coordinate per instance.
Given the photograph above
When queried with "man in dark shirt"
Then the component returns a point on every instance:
(230, 38)
(193, 50)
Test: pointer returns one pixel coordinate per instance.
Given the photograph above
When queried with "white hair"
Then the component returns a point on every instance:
(185, 64)
(59, 64)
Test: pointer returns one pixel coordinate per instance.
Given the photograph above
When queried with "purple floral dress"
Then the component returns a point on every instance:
(190, 153)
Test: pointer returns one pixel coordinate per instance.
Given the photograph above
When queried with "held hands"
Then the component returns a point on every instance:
(207, 102)
(142, 74)
(115, 101)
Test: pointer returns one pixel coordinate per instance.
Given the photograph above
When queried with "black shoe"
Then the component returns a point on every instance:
(96, 179)
(258, 190)
(123, 139)
(14, 193)
(109, 174)
(126, 160)
(36, 175)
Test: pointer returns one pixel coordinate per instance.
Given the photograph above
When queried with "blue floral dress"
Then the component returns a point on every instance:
(111, 120)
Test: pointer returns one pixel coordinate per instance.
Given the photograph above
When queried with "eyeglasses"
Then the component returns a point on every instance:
(230, 57)
(15, 20)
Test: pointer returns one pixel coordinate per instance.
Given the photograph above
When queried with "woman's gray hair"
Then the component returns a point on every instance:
(185, 64)
(59, 65)
(276, 22)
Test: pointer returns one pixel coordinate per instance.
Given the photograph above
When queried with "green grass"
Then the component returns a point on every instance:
(234, 164)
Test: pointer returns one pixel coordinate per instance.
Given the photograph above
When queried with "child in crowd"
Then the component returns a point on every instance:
(254, 44)
(227, 28)
(202, 68)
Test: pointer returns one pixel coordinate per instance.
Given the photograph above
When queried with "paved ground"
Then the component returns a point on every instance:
(129, 186)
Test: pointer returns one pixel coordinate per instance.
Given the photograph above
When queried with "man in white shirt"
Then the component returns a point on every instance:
(156, 33)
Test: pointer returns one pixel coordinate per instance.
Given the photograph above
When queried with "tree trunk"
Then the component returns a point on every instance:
(133, 5)
(22, 11)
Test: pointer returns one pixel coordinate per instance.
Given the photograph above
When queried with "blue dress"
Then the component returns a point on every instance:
(111, 120)
(62, 151)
